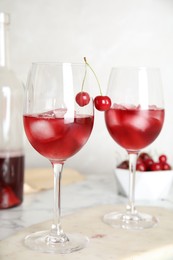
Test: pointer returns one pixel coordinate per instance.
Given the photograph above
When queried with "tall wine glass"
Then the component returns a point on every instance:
(134, 121)
(57, 128)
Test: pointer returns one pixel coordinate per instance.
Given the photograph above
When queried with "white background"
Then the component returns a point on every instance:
(109, 33)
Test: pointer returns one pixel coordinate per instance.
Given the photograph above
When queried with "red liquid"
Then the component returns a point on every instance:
(11, 181)
(134, 128)
(57, 138)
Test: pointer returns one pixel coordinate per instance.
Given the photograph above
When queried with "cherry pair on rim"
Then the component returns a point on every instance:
(102, 103)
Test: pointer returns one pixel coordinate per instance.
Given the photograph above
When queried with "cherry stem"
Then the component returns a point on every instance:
(84, 78)
(94, 74)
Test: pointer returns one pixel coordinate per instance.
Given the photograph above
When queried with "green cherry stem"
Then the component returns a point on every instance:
(94, 75)
(84, 78)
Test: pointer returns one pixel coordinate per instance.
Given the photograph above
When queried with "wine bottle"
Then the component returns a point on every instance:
(11, 127)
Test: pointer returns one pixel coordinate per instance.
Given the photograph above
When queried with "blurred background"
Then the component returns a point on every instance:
(109, 33)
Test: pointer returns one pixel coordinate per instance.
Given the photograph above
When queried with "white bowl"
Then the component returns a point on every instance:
(149, 185)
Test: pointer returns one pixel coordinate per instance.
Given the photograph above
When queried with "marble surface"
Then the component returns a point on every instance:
(105, 242)
(93, 191)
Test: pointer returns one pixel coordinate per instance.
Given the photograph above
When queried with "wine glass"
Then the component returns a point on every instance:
(134, 121)
(57, 128)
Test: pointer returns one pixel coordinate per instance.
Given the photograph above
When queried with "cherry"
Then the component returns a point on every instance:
(162, 158)
(139, 160)
(102, 103)
(156, 166)
(148, 163)
(144, 156)
(124, 165)
(82, 98)
(166, 166)
(141, 167)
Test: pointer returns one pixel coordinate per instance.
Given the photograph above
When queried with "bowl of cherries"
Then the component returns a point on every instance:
(154, 177)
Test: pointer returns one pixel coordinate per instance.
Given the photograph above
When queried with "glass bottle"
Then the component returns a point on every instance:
(11, 127)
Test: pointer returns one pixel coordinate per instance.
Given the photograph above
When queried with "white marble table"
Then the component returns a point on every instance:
(94, 191)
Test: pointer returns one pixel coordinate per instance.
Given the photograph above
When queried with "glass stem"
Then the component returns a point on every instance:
(56, 233)
(132, 172)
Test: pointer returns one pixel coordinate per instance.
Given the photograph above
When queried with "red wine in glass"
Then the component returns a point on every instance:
(134, 128)
(57, 127)
(61, 137)
(134, 121)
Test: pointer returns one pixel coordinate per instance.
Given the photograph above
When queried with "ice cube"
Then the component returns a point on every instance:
(153, 107)
(140, 122)
(56, 113)
(124, 106)
(42, 131)
(47, 114)
(59, 113)
(118, 106)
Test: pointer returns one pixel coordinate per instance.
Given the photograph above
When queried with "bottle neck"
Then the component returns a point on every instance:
(4, 22)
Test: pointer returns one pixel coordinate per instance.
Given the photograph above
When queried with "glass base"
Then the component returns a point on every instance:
(43, 242)
(129, 221)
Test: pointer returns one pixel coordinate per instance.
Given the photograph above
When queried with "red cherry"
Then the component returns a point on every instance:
(141, 167)
(82, 98)
(139, 160)
(162, 158)
(156, 166)
(148, 162)
(124, 165)
(102, 103)
(144, 156)
(166, 167)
